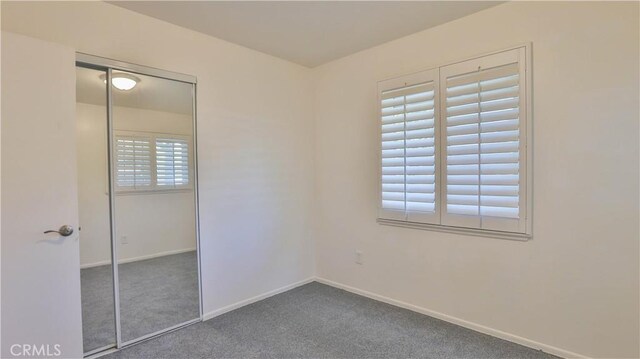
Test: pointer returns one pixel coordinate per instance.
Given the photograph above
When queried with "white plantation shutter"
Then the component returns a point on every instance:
(408, 140)
(454, 147)
(172, 162)
(146, 161)
(484, 142)
(132, 162)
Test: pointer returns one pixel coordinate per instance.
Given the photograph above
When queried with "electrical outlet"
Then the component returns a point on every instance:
(124, 239)
(359, 255)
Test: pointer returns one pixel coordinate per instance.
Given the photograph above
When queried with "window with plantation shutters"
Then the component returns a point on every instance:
(483, 142)
(408, 138)
(172, 162)
(146, 161)
(133, 162)
(454, 147)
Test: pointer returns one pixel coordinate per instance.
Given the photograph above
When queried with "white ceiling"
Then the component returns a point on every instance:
(309, 33)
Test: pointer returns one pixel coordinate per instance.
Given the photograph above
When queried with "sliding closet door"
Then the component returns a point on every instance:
(154, 203)
(96, 270)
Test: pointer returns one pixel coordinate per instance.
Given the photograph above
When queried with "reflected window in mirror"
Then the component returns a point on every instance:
(152, 162)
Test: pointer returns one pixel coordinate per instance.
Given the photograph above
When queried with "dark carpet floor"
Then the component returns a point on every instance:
(319, 321)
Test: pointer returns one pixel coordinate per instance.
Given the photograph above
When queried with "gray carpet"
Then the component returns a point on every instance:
(318, 321)
(98, 321)
(154, 294)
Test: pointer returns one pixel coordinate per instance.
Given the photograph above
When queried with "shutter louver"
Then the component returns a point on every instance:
(172, 163)
(133, 162)
(482, 146)
(408, 182)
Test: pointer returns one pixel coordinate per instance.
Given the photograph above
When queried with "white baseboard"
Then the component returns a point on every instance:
(135, 259)
(262, 296)
(461, 322)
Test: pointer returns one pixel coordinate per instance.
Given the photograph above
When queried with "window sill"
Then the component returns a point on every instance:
(456, 230)
(152, 191)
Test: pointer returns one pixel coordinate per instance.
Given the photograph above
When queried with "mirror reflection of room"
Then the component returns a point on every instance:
(96, 273)
(154, 202)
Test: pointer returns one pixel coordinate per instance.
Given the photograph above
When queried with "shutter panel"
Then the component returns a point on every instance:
(172, 163)
(483, 143)
(408, 162)
(133, 162)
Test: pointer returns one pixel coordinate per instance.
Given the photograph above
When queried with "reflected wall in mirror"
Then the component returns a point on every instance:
(155, 218)
(96, 273)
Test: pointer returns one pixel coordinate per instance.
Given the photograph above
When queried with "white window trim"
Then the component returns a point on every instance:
(154, 188)
(400, 220)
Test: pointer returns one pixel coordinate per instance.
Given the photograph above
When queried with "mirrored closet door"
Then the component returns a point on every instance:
(96, 273)
(155, 224)
(138, 203)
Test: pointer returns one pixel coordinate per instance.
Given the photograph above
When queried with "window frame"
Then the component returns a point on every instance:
(153, 187)
(524, 227)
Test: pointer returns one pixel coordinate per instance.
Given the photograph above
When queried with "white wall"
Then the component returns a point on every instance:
(255, 128)
(153, 223)
(93, 198)
(574, 286)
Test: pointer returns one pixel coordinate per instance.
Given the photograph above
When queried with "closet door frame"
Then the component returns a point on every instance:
(108, 65)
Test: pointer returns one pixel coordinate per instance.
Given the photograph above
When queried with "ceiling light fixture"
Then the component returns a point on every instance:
(122, 81)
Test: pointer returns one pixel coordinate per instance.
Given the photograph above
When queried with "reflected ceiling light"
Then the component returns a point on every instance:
(122, 81)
